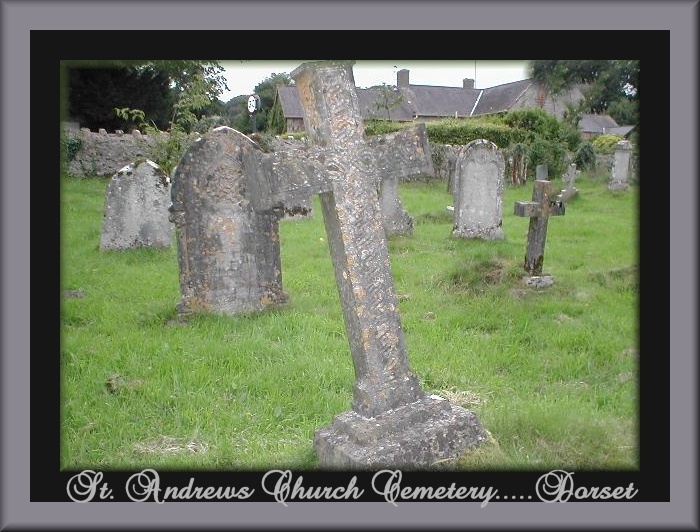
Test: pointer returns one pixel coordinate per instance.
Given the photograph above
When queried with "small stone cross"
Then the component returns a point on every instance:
(538, 210)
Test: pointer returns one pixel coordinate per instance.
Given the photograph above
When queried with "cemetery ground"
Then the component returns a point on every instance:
(551, 373)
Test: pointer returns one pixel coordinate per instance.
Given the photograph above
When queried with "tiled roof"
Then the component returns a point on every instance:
(592, 123)
(424, 100)
(501, 98)
(433, 101)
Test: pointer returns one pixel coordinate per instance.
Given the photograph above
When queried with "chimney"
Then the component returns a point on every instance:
(402, 79)
(467, 83)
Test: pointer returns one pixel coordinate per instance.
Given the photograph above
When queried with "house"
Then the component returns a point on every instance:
(592, 125)
(422, 103)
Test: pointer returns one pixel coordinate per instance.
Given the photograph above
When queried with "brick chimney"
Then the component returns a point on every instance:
(402, 79)
(467, 83)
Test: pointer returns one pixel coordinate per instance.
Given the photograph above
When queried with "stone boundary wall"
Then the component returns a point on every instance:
(103, 154)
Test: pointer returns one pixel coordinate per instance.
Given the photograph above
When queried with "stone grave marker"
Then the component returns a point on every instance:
(541, 172)
(393, 422)
(478, 197)
(569, 179)
(621, 166)
(542, 206)
(136, 208)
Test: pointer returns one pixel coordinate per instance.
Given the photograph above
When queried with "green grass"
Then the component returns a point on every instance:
(551, 374)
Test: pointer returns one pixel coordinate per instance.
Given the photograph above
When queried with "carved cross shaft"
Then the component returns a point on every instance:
(538, 210)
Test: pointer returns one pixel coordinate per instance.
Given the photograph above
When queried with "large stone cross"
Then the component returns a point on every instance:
(538, 210)
(393, 421)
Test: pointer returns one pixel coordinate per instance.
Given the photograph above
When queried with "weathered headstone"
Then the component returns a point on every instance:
(478, 197)
(303, 208)
(569, 178)
(396, 220)
(136, 208)
(621, 166)
(541, 172)
(542, 206)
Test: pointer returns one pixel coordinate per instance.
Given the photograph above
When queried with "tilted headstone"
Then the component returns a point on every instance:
(396, 220)
(621, 166)
(542, 206)
(478, 197)
(569, 179)
(136, 208)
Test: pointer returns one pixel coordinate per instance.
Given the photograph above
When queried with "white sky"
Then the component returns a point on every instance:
(243, 76)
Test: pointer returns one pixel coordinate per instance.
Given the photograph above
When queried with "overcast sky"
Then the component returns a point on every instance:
(243, 76)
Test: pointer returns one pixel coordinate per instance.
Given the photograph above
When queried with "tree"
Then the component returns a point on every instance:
(236, 109)
(168, 91)
(389, 99)
(94, 92)
(612, 85)
(267, 92)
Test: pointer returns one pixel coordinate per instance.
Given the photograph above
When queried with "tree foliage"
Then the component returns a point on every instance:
(167, 91)
(612, 86)
(94, 93)
(389, 99)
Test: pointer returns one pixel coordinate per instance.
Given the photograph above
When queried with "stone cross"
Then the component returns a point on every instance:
(569, 178)
(393, 421)
(538, 210)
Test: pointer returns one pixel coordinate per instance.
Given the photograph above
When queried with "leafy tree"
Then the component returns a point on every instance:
(94, 92)
(166, 90)
(236, 113)
(612, 85)
(267, 92)
(389, 99)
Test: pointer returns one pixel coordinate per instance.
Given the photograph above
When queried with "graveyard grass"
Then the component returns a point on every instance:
(551, 373)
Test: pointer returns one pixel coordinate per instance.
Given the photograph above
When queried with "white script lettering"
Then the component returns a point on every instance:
(558, 486)
(392, 490)
(283, 490)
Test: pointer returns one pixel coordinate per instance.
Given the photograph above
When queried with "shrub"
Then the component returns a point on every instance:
(70, 146)
(585, 157)
(605, 144)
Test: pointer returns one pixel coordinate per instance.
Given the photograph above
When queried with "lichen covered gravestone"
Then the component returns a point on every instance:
(621, 166)
(478, 195)
(136, 208)
(393, 421)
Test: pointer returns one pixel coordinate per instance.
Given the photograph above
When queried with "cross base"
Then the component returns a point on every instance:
(539, 281)
(416, 435)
